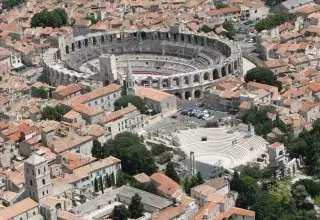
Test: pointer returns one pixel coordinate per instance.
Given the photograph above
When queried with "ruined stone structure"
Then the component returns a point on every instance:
(178, 62)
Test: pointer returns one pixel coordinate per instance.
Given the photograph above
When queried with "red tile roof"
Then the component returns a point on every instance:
(166, 185)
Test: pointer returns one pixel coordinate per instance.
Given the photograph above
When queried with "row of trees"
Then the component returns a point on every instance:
(262, 75)
(55, 18)
(276, 200)
(107, 181)
(135, 157)
(135, 210)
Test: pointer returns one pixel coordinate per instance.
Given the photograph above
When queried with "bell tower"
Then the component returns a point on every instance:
(130, 83)
(37, 177)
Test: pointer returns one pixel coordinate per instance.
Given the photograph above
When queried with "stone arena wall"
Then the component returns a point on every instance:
(62, 65)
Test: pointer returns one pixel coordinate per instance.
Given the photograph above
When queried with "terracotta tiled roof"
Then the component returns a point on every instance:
(95, 94)
(244, 212)
(152, 94)
(70, 89)
(209, 206)
(166, 185)
(17, 209)
(118, 114)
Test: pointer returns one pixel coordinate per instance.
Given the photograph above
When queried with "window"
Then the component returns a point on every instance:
(43, 181)
(47, 191)
(114, 96)
(44, 169)
(38, 171)
(31, 184)
(43, 193)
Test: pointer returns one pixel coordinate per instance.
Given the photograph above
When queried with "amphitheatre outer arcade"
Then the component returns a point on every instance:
(179, 62)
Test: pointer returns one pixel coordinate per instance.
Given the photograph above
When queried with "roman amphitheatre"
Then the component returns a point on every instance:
(227, 147)
(179, 62)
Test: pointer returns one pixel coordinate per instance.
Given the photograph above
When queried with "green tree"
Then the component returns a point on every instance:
(187, 186)
(96, 150)
(112, 177)
(171, 172)
(299, 194)
(96, 185)
(230, 27)
(101, 184)
(53, 113)
(124, 101)
(297, 148)
(236, 182)
(120, 212)
(261, 75)
(271, 21)
(55, 18)
(253, 172)
(311, 186)
(92, 19)
(281, 192)
(136, 207)
(206, 29)
(43, 92)
(134, 156)
(199, 177)
(158, 149)
(120, 179)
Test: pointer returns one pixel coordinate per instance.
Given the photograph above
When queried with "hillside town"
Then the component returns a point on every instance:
(162, 110)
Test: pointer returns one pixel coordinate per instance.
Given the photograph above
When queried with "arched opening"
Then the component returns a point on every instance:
(182, 37)
(79, 44)
(178, 95)
(167, 36)
(187, 95)
(189, 38)
(197, 94)
(165, 83)
(176, 81)
(196, 78)
(73, 47)
(159, 35)
(31, 184)
(58, 205)
(67, 49)
(195, 40)
(145, 83)
(206, 76)
(106, 82)
(186, 80)
(175, 37)
(143, 35)
(154, 83)
(223, 70)
(86, 42)
(229, 69)
(215, 74)
(235, 65)
(280, 153)
(102, 39)
(94, 40)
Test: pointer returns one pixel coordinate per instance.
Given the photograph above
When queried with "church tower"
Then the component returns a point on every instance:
(37, 177)
(130, 83)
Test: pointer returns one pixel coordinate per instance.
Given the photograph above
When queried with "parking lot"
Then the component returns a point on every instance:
(179, 118)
